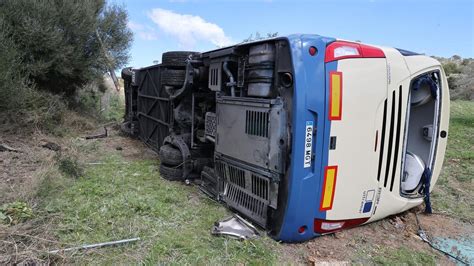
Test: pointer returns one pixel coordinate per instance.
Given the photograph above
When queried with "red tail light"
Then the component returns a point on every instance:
(325, 226)
(341, 50)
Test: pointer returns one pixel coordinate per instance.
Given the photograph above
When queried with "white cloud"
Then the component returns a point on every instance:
(147, 36)
(135, 26)
(189, 29)
(145, 32)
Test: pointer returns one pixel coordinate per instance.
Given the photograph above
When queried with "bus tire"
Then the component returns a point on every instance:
(170, 155)
(171, 173)
(176, 59)
(173, 77)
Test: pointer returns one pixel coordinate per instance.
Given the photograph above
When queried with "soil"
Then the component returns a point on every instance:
(20, 173)
(362, 243)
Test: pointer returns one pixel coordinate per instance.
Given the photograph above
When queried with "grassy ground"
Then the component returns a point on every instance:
(453, 193)
(124, 199)
(405, 256)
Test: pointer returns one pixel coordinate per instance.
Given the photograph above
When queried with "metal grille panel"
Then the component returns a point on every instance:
(256, 123)
(245, 191)
(210, 124)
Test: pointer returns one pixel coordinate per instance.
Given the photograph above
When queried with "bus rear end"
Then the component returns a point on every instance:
(369, 136)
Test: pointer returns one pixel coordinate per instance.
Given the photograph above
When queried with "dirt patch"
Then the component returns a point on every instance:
(441, 225)
(130, 149)
(20, 171)
(362, 244)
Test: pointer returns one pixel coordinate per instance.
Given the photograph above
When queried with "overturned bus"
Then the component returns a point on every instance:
(303, 135)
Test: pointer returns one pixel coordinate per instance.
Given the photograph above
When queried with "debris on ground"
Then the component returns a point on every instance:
(98, 136)
(98, 245)
(462, 248)
(4, 147)
(51, 146)
(453, 252)
(398, 223)
(235, 226)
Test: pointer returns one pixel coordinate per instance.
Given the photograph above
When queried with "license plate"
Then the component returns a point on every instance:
(308, 146)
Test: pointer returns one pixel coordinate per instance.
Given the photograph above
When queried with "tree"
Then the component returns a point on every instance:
(57, 40)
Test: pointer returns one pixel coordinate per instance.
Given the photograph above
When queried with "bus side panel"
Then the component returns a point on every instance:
(389, 200)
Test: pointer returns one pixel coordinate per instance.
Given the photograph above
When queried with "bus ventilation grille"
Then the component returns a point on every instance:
(390, 139)
(245, 191)
(256, 123)
(210, 122)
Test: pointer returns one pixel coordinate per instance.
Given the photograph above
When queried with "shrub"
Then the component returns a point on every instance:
(52, 47)
(58, 41)
(21, 103)
(70, 166)
(12, 74)
(451, 68)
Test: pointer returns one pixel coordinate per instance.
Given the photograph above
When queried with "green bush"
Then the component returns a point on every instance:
(115, 109)
(451, 68)
(12, 73)
(70, 166)
(100, 102)
(50, 50)
(58, 40)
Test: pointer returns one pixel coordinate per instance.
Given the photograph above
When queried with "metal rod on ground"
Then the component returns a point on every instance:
(99, 245)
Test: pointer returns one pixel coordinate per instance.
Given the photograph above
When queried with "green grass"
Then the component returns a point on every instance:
(119, 200)
(453, 193)
(405, 256)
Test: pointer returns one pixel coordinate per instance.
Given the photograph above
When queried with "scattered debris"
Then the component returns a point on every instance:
(103, 135)
(422, 234)
(52, 146)
(462, 247)
(5, 147)
(235, 226)
(101, 163)
(398, 223)
(98, 245)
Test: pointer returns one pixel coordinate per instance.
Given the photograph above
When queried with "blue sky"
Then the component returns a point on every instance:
(435, 27)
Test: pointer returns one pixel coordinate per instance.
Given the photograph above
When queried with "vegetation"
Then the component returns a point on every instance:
(15, 212)
(58, 41)
(50, 50)
(460, 73)
(405, 256)
(120, 199)
(69, 166)
(453, 193)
